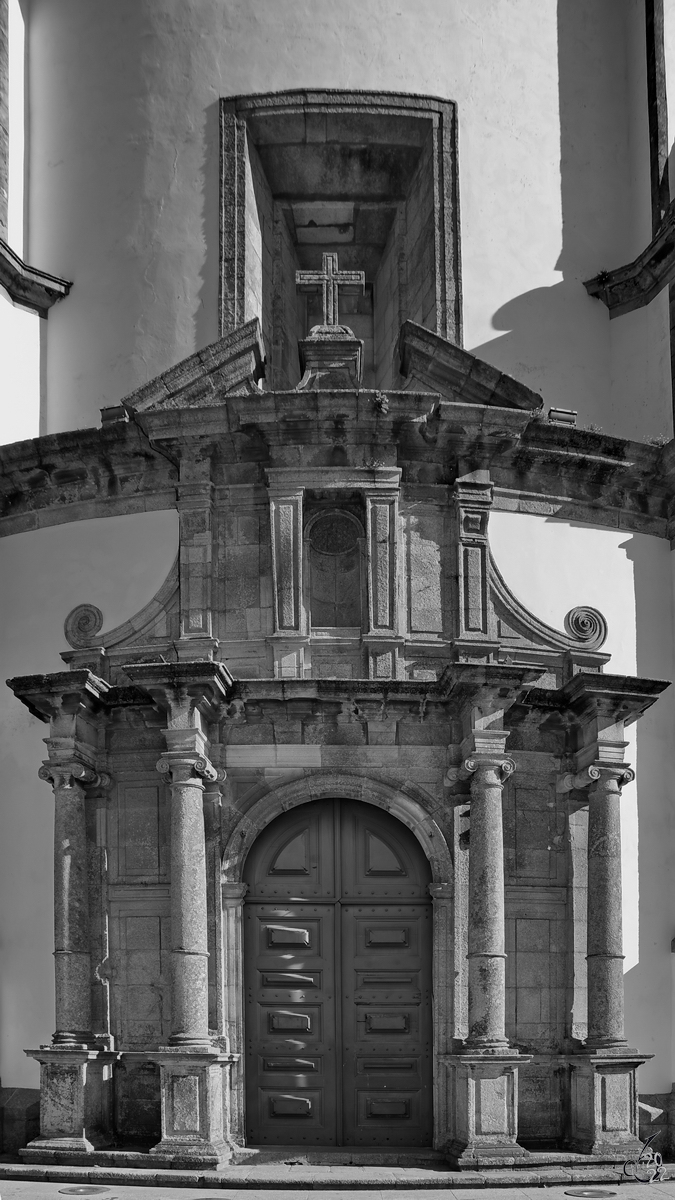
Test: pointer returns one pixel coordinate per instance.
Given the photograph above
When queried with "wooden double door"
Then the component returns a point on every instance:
(338, 942)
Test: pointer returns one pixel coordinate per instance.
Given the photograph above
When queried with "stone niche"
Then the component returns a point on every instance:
(370, 176)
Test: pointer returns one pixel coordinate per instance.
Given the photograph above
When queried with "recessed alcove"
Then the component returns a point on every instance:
(371, 177)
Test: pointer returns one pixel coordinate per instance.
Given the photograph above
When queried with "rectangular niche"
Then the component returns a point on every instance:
(371, 176)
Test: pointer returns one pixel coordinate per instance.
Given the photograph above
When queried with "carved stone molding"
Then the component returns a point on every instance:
(82, 625)
(28, 286)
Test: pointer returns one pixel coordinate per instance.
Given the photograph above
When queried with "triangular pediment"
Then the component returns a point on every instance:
(438, 365)
(232, 366)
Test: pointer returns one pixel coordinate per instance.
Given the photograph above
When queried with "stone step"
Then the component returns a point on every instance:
(289, 1176)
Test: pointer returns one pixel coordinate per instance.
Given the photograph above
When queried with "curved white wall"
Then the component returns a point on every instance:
(124, 177)
(553, 566)
(117, 563)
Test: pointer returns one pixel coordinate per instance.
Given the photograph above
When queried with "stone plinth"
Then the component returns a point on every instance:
(195, 1105)
(331, 357)
(75, 1101)
(604, 1104)
(483, 1107)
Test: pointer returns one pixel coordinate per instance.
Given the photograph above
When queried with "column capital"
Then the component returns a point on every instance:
(234, 892)
(70, 773)
(501, 764)
(181, 766)
(610, 776)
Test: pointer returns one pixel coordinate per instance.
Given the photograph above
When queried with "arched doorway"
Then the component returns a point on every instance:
(338, 950)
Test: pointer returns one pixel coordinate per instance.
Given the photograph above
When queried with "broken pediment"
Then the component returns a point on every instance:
(437, 364)
(232, 366)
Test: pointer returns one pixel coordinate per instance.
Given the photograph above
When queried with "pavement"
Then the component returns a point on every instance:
(26, 1189)
(316, 1185)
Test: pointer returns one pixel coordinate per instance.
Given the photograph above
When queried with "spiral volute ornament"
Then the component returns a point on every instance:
(82, 625)
(586, 625)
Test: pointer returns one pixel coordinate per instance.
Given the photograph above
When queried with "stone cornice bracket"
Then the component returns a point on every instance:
(637, 283)
(61, 699)
(184, 689)
(28, 286)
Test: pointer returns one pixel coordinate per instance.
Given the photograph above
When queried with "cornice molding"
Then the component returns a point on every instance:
(639, 282)
(535, 466)
(27, 285)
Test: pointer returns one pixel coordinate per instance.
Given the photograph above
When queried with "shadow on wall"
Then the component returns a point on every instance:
(648, 985)
(558, 339)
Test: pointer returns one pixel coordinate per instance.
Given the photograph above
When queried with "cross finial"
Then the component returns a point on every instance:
(329, 280)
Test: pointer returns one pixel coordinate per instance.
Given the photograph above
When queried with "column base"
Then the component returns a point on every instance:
(483, 1107)
(75, 1101)
(195, 1105)
(604, 1102)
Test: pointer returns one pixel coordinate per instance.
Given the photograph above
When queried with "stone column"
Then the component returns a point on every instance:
(483, 1077)
(605, 933)
(194, 1090)
(189, 936)
(75, 1073)
(487, 980)
(72, 960)
(604, 1096)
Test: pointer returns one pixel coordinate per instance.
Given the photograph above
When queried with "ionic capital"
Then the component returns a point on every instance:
(501, 765)
(71, 774)
(612, 778)
(181, 766)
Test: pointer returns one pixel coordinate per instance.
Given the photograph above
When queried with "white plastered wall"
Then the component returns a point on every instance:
(19, 328)
(553, 566)
(124, 177)
(117, 563)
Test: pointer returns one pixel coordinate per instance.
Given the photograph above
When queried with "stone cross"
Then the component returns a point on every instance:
(329, 279)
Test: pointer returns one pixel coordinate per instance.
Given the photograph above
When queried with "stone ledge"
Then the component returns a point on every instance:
(637, 283)
(28, 286)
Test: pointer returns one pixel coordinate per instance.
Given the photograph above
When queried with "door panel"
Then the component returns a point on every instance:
(295, 855)
(290, 1024)
(386, 1024)
(338, 992)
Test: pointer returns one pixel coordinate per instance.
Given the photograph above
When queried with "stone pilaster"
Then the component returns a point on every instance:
(233, 895)
(384, 636)
(483, 1077)
(289, 641)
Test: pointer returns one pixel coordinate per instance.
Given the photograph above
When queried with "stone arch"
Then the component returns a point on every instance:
(413, 811)
(402, 805)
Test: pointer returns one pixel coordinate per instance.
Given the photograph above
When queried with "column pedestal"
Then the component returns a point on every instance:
(604, 1104)
(483, 1108)
(75, 1103)
(195, 1086)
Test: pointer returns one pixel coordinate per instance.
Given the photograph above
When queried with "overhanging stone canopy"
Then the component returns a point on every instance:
(178, 737)
(466, 416)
